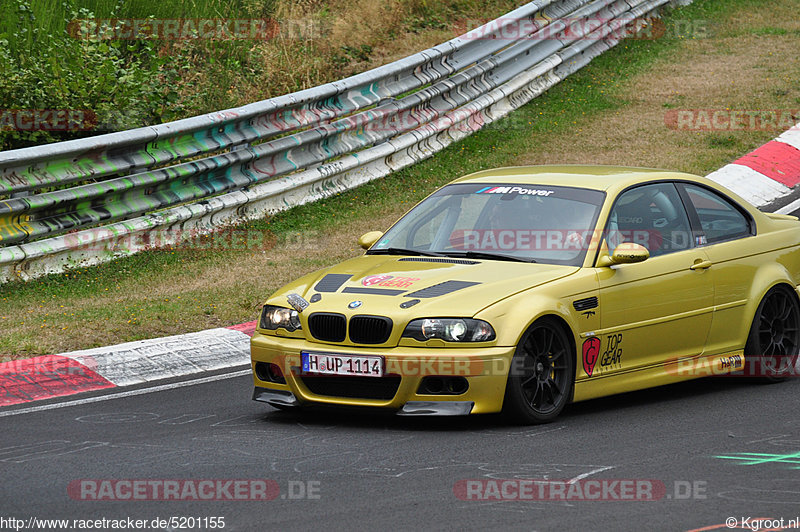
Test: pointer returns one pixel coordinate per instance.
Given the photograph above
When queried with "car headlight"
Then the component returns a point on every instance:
(273, 317)
(450, 330)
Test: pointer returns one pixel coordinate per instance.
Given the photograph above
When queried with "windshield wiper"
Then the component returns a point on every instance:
(487, 255)
(403, 251)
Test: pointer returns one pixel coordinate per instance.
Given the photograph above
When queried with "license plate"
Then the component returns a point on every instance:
(336, 364)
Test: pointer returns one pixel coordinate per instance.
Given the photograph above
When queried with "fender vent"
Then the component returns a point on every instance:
(585, 304)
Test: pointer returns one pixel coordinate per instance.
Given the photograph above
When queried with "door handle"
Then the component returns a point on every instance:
(701, 265)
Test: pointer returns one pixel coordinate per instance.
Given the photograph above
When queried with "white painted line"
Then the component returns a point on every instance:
(788, 209)
(129, 393)
(756, 188)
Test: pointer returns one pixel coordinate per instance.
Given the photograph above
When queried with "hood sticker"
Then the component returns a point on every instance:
(375, 279)
(389, 281)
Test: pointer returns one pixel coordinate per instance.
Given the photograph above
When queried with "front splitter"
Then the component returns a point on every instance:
(275, 397)
(284, 398)
(436, 408)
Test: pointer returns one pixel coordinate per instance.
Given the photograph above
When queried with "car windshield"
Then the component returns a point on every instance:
(532, 223)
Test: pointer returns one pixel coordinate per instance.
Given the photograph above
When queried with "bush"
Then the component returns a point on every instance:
(123, 84)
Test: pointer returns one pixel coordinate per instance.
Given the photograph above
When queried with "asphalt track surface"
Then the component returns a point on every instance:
(364, 469)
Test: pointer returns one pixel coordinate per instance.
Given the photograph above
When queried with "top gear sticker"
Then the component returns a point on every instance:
(389, 280)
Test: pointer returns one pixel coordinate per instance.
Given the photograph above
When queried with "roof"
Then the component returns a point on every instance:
(595, 177)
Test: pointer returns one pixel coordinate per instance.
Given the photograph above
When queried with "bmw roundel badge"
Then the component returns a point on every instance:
(354, 304)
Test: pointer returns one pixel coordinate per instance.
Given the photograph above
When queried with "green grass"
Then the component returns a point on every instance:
(125, 84)
(771, 31)
(30, 19)
(716, 140)
(139, 82)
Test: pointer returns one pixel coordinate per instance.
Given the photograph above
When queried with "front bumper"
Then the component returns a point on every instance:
(484, 368)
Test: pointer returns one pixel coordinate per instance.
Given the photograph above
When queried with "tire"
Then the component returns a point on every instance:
(773, 343)
(541, 376)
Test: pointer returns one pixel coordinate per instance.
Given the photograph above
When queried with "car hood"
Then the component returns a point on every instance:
(417, 286)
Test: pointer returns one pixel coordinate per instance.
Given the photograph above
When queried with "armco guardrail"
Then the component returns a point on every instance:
(82, 202)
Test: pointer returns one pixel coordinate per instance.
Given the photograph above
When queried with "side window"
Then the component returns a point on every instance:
(719, 218)
(650, 215)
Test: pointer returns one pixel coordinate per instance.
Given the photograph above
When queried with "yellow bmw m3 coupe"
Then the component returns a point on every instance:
(519, 290)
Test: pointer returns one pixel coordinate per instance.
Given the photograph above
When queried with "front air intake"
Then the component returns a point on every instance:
(383, 388)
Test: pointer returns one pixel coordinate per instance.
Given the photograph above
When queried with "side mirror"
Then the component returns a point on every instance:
(367, 239)
(625, 253)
